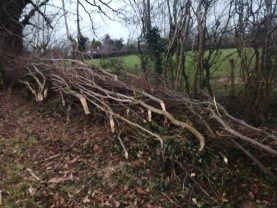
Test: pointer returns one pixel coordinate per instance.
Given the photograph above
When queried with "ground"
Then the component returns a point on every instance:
(47, 161)
(51, 160)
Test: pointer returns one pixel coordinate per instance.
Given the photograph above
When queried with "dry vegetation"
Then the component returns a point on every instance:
(98, 140)
(74, 135)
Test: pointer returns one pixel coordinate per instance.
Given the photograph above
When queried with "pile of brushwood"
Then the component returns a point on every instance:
(131, 106)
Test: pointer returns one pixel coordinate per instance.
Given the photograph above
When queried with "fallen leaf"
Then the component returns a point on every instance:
(57, 180)
(77, 191)
(61, 200)
(117, 204)
(86, 200)
(61, 179)
(70, 177)
(148, 205)
(194, 200)
(95, 147)
(140, 190)
(107, 203)
(31, 190)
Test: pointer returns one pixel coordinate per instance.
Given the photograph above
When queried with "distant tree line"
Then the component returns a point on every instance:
(109, 47)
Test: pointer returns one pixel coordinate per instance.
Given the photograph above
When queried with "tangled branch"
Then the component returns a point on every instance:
(124, 103)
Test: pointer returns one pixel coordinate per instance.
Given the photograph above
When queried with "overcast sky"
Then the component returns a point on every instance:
(102, 25)
(114, 29)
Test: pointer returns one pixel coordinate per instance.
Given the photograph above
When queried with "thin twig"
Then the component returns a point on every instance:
(126, 154)
(243, 137)
(33, 174)
(48, 159)
(255, 160)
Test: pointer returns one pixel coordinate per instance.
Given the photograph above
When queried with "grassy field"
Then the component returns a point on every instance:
(131, 62)
(220, 68)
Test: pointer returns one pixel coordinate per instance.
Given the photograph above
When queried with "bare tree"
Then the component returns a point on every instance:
(12, 26)
(40, 35)
(186, 24)
(255, 25)
(180, 22)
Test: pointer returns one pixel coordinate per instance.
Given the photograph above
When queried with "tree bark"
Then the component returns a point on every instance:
(11, 29)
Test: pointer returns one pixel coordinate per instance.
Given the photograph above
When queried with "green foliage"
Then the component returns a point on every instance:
(95, 44)
(113, 44)
(155, 43)
(118, 44)
(131, 47)
(82, 43)
(155, 48)
(107, 40)
(116, 65)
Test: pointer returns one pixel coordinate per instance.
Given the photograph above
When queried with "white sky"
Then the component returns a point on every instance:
(102, 25)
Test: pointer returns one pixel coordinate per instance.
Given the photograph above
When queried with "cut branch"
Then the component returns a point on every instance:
(125, 104)
(42, 90)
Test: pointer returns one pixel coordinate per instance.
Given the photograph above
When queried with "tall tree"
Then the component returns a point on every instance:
(12, 25)
(13, 19)
(11, 29)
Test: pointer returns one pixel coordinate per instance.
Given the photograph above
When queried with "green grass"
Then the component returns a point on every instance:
(131, 62)
(221, 65)
(219, 69)
(15, 187)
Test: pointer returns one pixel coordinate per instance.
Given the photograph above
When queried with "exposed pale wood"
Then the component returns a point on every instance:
(127, 105)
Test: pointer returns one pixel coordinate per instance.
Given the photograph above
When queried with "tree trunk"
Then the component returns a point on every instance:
(11, 30)
(147, 15)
